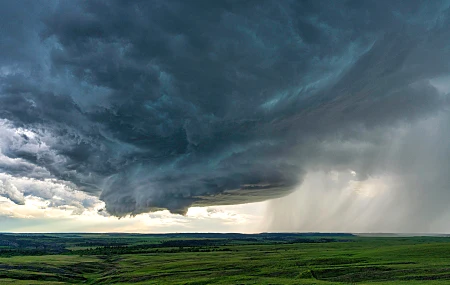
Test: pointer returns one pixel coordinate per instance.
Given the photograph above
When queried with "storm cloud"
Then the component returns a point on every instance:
(168, 104)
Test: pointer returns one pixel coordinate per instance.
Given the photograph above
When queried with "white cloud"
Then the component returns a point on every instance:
(10, 191)
(51, 192)
(50, 202)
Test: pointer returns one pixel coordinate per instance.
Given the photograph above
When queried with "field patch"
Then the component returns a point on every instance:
(226, 259)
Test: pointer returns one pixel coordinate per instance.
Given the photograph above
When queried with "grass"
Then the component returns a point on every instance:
(358, 260)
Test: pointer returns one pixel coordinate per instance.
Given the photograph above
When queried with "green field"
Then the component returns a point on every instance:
(222, 259)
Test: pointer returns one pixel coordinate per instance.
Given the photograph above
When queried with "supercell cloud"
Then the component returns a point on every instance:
(167, 104)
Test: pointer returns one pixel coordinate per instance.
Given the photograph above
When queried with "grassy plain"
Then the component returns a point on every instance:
(224, 259)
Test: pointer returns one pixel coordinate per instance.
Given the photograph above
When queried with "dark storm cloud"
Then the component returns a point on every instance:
(167, 104)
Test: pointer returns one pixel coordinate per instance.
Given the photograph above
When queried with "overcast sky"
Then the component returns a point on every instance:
(224, 116)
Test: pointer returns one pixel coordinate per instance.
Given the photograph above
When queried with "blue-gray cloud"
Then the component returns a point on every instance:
(167, 104)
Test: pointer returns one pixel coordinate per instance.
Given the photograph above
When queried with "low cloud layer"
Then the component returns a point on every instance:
(167, 104)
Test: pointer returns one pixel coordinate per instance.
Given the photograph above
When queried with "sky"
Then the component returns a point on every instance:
(224, 116)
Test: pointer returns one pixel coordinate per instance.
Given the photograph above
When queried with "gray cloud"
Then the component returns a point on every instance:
(171, 104)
